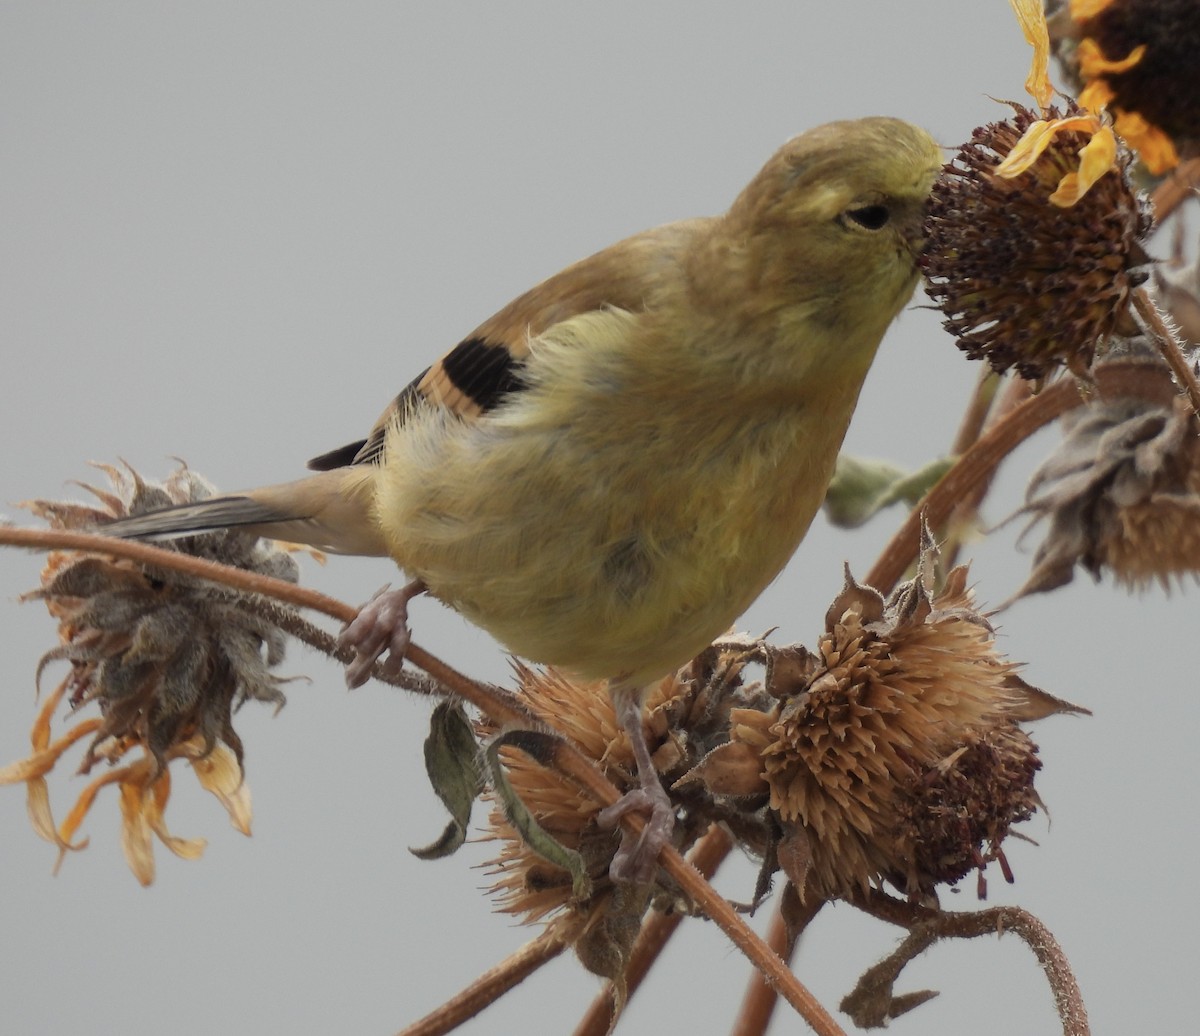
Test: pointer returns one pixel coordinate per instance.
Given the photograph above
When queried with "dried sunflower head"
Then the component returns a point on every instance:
(1122, 491)
(1138, 60)
(894, 754)
(166, 659)
(687, 714)
(1032, 255)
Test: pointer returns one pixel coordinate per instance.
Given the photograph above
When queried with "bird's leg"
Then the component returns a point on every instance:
(637, 858)
(380, 625)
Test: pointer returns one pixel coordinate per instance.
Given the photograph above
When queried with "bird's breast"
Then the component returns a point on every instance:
(607, 545)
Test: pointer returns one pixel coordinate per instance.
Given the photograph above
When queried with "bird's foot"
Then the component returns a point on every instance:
(381, 625)
(637, 858)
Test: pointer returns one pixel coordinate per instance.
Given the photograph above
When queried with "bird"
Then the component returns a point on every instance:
(608, 471)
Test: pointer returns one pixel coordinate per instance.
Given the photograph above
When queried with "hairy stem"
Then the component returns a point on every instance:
(760, 1000)
(873, 1001)
(706, 855)
(1169, 345)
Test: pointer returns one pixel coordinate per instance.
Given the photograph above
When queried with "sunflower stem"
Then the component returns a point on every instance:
(490, 986)
(1175, 189)
(1170, 347)
(706, 856)
(873, 998)
(783, 935)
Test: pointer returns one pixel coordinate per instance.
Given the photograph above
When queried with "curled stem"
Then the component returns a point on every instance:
(872, 1002)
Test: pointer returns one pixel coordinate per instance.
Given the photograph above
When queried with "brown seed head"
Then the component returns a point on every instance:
(896, 756)
(166, 658)
(1023, 282)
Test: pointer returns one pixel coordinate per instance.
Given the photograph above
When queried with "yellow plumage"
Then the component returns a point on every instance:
(606, 473)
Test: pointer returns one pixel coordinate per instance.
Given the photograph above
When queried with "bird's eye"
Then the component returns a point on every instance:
(869, 217)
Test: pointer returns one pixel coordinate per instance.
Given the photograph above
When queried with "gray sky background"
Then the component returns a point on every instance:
(232, 231)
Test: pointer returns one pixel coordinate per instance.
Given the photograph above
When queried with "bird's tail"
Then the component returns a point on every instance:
(333, 511)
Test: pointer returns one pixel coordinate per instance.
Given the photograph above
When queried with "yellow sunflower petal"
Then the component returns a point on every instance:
(1038, 137)
(1096, 96)
(220, 773)
(1154, 147)
(1032, 17)
(39, 737)
(1093, 63)
(155, 807)
(36, 765)
(135, 832)
(1096, 158)
(37, 803)
(1028, 149)
(84, 803)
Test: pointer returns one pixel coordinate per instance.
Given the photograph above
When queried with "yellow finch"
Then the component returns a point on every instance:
(607, 472)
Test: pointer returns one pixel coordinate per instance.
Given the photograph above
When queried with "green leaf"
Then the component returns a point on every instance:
(540, 746)
(453, 765)
(860, 488)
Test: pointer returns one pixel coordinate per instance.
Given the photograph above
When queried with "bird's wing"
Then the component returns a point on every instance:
(485, 367)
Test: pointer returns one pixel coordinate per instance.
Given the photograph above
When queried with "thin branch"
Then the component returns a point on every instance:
(979, 415)
(706, 856)
(1169, 345)
(972, 469)
(979, 407)
(501, 707)
(490, 986)
(783, 935)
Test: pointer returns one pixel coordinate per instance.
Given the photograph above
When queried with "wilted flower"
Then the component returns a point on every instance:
(1122, 491)
(1031, 268)
(1138, 59)
(686, 715)
(894, 753)
(167, 658)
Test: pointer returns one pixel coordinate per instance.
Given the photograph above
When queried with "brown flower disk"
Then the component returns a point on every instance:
(1022, 282)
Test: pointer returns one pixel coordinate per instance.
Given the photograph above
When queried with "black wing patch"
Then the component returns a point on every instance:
(338, 458)
(472, 378)
(483, 372)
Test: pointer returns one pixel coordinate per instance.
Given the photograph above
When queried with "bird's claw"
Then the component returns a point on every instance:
(381, 626)
(637, 858)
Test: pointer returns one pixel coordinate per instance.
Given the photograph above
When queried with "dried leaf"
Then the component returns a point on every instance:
(452, 764)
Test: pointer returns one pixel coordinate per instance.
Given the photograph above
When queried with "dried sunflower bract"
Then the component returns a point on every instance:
(166, 659)
(894, 753)
(1121, 493)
